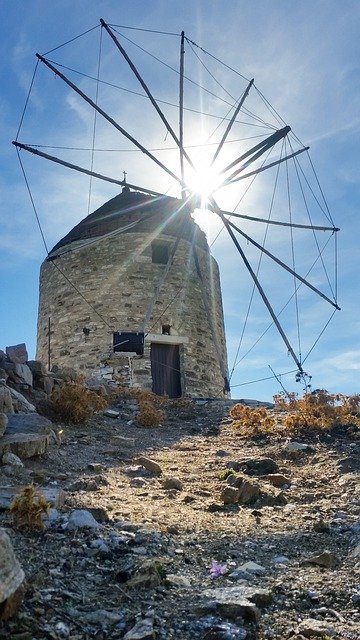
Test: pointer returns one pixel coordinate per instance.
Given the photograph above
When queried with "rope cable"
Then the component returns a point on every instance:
(293, 254)
(314, 234)
(281, 310)
(46, 247)
(72, 39)
(95, 122)
(242, 384)
(165, 64)
(163, 33)
(217, 59)
(258, 268)
(188, 146)
(209, 72)
(27, 100)
(143, 95)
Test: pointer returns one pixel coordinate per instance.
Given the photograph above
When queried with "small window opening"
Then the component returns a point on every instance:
(160, 252)
(165, 330)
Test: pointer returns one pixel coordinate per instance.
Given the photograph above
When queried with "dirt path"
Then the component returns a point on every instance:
(144, 571)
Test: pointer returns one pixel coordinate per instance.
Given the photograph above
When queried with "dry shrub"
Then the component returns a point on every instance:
(150, 412)
(320, 410)
(250, 421)
(28, 507)
(74, 403)
(149, 415)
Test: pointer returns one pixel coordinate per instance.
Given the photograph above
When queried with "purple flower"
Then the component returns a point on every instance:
(218, 569)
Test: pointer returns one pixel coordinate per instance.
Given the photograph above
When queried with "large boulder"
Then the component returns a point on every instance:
(17, 353)
(11, 578)
(3, 423)
(6, 405)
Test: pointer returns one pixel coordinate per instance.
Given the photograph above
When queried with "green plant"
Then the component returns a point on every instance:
(226, 473)
(28, 507)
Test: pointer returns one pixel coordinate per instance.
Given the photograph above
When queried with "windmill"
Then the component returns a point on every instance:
(270, 149)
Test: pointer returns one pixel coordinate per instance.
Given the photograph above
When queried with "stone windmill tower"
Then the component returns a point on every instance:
(133, 289)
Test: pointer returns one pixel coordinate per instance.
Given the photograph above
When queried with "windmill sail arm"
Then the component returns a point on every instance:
(47, 156)
(108, 118)
(283, 265)
(260, 147)
(232, 120)
(280, 223)
(232, 178)
(146, 89)
(260, 290)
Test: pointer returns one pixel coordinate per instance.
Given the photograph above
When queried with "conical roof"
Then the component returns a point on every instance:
(163, 214)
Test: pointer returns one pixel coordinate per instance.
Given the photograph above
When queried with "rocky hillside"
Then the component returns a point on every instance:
(186, 530)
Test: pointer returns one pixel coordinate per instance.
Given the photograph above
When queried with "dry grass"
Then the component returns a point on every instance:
(74, 403)
(28, 508)
(320, 410)
(292, 416)
(251, 422)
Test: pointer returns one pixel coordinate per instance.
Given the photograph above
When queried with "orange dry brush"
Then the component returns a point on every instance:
(251, 422)
(28, 508)
(73, 402)
(320, 410)
(149, 415)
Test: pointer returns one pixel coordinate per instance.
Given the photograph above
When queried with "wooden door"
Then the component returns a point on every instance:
(165, 369)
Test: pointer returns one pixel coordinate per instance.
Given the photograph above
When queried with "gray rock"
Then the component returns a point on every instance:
(259, 466)
(172, 483)
(82, 519)
(296, 447)
(150, 465)
(12, 460)
(6, 405)
(23, 373)
(3, 423)
(28, 423)
(111, 413)
(311, 627)
(102, 617)
(252, 567)
(236, 602)
(17, 353)
(20, 401)
(143, 630)
(36, 367)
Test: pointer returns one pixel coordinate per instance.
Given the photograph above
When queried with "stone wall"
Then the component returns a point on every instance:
(117, 277)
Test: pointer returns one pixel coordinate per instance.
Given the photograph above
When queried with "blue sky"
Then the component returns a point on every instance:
(304, 56)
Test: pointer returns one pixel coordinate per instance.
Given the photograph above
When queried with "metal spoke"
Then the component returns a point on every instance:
(280, 223)
(122, 183)
(146, 89)
(109, 119)
(230, 124)
(282, 264)
(264, 145)
(258, 285)
(230, 180)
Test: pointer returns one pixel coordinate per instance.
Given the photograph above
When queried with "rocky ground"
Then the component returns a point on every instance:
(153, 541)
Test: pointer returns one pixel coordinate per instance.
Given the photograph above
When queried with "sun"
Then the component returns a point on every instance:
(203, 181)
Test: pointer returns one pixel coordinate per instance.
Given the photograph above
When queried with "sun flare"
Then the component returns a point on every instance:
(203, 181)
